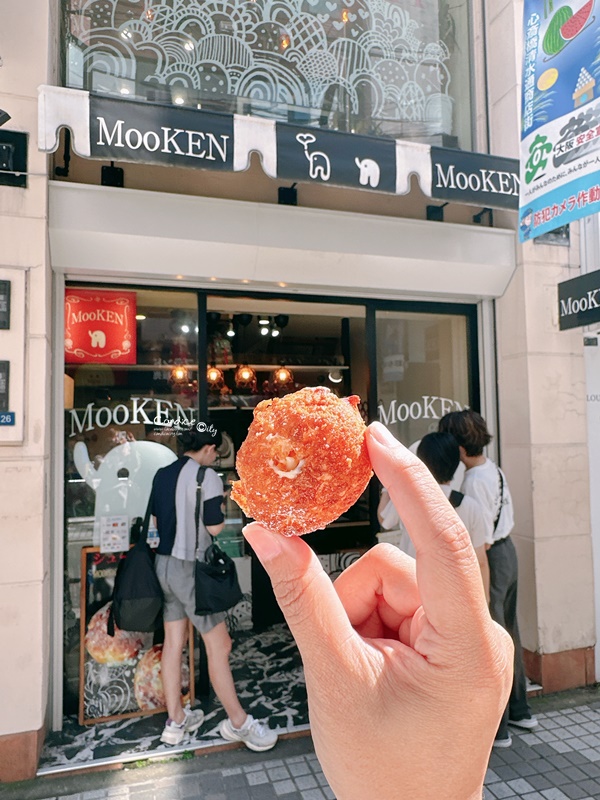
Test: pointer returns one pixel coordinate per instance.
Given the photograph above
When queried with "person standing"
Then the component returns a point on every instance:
(486, 482)
(440, 454)
(174, 497)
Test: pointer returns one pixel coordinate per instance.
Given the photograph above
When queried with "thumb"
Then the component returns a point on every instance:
(303, 590)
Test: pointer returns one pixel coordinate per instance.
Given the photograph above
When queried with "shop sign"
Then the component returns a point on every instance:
(579, 301)
(170, 416)
(471, 178)
(560, 137)
(123, 131)
(321, 156)
(100, 327)
(427, 407)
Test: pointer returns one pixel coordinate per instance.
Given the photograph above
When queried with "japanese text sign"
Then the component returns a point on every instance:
(560, 132)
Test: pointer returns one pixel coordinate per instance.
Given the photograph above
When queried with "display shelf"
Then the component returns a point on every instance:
(224, 367)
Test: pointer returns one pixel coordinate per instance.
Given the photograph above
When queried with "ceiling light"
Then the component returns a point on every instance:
(124, 90)
(282, 376)
(275, 332)
(245, 378)
(230, 331)
(185, 328)
(179, 374)
(140, 316)
(264, 331)
(179, 100)
(335, 376)
(281, 320)
(263, 320)
(214, 378)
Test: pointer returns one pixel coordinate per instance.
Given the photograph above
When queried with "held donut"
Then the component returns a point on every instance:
(304, 461)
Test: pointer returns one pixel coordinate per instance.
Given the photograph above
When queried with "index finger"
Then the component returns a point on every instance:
(448, 574)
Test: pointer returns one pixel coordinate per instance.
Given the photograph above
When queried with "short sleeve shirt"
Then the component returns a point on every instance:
(483, 484)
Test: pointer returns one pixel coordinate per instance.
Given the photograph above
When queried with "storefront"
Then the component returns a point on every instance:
(139, 349)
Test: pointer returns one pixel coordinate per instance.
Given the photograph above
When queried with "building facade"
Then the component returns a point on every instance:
(315, 193)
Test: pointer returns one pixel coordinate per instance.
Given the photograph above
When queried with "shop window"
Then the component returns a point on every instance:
(423, 371)
(388, 68)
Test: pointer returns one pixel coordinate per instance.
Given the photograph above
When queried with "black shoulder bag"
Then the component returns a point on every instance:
(217, 585)
(501, 481)
(137, 597)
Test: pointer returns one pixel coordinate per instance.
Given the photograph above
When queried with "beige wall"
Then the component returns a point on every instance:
(25, 465)
(541, 399)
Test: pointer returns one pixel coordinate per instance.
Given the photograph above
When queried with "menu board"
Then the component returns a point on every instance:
(119, 676)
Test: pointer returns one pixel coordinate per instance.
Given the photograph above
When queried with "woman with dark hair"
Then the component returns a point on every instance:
(440, 454)
(174, 496)
(486, 482)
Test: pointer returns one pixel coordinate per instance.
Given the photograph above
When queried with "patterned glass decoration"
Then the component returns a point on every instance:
(379, 67)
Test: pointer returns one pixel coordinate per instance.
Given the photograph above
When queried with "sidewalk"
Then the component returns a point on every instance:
(560, 760)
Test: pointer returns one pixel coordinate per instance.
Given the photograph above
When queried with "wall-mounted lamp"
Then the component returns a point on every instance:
(435, 213)
(214, 378)
(282, 376)
(245, 378)
(179, 374)
(287, 195)
(477, 218)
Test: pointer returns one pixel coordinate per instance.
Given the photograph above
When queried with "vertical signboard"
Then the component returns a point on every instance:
(560, 131)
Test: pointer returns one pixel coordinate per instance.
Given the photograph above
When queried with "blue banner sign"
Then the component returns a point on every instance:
(560, 132)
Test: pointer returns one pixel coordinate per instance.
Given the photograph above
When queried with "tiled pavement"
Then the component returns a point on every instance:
(560, 760)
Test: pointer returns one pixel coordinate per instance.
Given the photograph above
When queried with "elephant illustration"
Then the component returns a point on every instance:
(98, 338)
(369, 172)
(123, 480)
(319, 164)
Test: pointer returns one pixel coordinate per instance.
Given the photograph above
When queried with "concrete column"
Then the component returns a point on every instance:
(542, 414)
(27, 62)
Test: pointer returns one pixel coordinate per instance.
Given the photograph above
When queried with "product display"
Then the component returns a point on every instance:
(304, 461)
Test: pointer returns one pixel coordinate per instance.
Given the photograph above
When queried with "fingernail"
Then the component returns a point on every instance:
(381, 434)
(265, 544)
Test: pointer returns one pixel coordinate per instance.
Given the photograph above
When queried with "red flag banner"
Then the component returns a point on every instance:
(100, 327)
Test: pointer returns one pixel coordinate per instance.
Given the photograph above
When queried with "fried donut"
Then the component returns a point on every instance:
(304, 461)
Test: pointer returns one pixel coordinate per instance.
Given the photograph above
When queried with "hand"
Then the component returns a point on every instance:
(407, 676)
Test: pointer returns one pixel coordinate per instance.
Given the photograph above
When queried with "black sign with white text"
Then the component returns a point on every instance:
(4, 384)
(320, 156)
(4, 305)
(579, 301)
(154, 134)
(474, 178)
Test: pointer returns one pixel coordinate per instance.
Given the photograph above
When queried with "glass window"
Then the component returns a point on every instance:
(398, 68)
(422, 371)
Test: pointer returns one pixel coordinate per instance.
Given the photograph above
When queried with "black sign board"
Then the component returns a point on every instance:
(153, 134)
(474, 178)
(4, 305)
(339, 159)
(4, 383)
(579, 301)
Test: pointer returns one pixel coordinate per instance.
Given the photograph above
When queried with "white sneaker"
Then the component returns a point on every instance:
(254, 734)
(527, 723)
(174, 733)
(503, 742)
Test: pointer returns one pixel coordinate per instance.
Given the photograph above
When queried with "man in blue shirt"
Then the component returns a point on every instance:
(174, 493)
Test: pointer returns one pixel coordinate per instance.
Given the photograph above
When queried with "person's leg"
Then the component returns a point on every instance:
(218, 647)
(500, 578)
(518, 705)
(175, 636)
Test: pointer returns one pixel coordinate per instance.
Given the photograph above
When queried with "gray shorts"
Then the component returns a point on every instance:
(176, 578)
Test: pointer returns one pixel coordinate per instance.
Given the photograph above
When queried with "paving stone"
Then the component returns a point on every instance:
(574, 791)
(256, 778)
(501, 790)
(539, 782)
(554, 794)
(520, 786)
(313, 794)
(284, 787)
(300, 768)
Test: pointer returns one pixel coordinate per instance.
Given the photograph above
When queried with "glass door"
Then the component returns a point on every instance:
(426, 367)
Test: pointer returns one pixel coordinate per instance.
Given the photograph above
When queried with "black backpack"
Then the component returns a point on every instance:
(137, 597)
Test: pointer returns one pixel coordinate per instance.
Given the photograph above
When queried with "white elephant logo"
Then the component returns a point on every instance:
(319, 164)
(369, 172)
(98, 338)
(123, 479)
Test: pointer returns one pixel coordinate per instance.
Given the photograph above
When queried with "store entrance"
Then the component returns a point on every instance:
(139, 364)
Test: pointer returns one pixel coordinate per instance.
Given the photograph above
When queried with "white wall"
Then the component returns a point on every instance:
(25, 463)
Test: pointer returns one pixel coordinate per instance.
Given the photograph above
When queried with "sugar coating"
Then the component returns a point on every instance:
(304, 461)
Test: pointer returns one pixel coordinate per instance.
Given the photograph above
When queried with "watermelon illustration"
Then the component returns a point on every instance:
(553, 40)
(577, 22)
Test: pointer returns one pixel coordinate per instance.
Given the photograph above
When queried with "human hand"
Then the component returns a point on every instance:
(406, 673)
